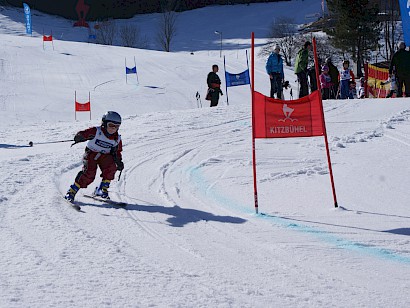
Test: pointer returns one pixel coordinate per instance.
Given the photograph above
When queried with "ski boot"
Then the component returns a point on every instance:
(72, 191)
(102, 191)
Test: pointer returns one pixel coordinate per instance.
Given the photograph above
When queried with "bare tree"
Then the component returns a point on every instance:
(131, 37)
(326, 50)
(128, 35)
(390, 17)
(106, 33)
(167, 29)
(282, 32)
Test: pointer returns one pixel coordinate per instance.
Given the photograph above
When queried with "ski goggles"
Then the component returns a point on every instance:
(113, 125)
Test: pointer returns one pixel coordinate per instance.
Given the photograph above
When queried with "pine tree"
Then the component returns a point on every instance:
(357, 28)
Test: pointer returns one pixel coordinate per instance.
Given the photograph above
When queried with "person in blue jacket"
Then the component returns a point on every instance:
(274, 68)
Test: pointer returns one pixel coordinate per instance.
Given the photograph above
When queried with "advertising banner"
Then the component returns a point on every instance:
(27, 17)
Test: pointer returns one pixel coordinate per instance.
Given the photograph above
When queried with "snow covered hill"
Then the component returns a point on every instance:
(189, 236)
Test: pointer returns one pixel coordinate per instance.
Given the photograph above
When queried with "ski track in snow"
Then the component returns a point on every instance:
(159, 218)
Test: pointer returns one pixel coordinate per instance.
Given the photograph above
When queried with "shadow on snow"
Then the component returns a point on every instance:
(179, 217)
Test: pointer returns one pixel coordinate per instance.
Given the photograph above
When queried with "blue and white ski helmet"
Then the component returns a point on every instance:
(111, 116)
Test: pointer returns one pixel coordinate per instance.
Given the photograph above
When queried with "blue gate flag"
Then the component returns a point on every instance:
(27, 17)
(405, 18)
(237, 79)
(132, 70)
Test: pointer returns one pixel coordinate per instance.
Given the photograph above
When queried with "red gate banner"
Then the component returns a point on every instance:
(47, 38)
(82, 106)
(276, 118)
(273, 118)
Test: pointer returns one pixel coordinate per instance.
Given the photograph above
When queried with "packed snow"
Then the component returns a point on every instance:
(190, 236)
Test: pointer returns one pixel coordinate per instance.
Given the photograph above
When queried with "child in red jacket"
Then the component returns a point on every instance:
(103, 150)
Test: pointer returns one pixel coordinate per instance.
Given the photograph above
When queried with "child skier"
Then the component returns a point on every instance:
(346, 75)
(325, 82)
(361, 93)
(352, 89)
(393, 85)
(103, 150)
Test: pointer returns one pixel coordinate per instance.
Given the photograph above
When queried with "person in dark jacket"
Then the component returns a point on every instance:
(400, 66)
(301, 64)
(334, 76)
(274, 68)
(214, 86)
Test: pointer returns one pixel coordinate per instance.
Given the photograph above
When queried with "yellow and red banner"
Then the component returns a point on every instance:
(376, 77)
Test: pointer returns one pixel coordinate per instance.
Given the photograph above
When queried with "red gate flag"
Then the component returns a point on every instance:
(274, 118)
(79, 107)
(82, 106)
(47, 38)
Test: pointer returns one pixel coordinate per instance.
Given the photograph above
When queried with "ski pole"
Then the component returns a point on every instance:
(119, 176)
(31, 143)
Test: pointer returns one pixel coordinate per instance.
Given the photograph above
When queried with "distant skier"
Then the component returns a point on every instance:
(103, 150)
(214, 86)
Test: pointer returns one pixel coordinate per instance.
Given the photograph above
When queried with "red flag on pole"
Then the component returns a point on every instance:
(273, 118)
(47, 38)
(82, 106)
(276, 118)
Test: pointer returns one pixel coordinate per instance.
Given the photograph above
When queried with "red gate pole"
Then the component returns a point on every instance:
(255, 188)
(89, 100)
(75, 105)
(323, 123)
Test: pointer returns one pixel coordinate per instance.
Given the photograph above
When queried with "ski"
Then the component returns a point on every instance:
(108, 201)
(73, 205)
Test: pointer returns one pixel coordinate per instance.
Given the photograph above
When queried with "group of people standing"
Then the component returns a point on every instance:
(334, 84)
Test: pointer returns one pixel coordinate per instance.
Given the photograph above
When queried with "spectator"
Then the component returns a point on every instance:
(352, 89)
(325, 82)
(214, 86)
(393, 85)
(274, 68)
(401, 63)
(362, 93)
(301, 63)
(334, 75)
(346, 75)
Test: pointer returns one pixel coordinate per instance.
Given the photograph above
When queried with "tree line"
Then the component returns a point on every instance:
(111, 9)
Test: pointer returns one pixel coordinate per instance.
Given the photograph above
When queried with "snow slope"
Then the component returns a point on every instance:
(190, 236)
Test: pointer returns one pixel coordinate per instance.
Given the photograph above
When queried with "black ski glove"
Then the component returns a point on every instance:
(78, 138)
(120, 165)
